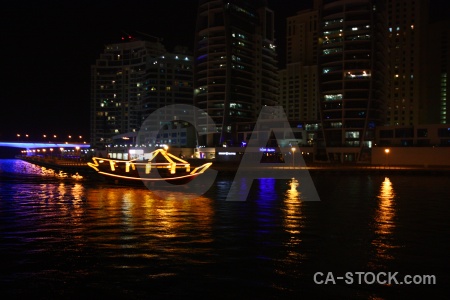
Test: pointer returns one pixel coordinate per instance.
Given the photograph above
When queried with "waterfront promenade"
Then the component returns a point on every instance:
(80, 166)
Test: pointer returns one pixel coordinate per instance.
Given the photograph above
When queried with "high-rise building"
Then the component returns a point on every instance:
(352, 67)
(438, 73)
(235, 65)
(132, 79)
(298, 92)
(299, 80)
(406, 77)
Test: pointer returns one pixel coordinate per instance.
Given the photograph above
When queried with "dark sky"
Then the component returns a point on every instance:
(48, 48)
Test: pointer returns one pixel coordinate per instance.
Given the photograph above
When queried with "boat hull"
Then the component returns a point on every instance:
(176, 173)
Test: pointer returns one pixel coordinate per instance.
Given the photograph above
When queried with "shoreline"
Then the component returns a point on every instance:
(223, 166)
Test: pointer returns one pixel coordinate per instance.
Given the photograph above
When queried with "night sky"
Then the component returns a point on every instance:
(48, 48)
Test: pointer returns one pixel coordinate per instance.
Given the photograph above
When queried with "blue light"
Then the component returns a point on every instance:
(262, 149)
(202, 56)
(267, 189)
(41, 145)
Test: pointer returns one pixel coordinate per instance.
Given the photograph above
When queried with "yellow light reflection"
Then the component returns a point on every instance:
(292, 193)
(386, 211)
(293, 214)
(130, 212)
(385, 221)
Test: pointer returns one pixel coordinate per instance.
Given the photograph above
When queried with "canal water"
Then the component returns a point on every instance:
(71, 238)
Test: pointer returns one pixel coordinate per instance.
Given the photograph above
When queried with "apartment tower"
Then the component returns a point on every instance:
(352, 67)
(299, 80)
(132, 79)
(235, 69)
(406, 77)
(438, 74)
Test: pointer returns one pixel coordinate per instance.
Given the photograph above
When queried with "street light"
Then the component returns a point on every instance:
(293, 155)
(387, 150)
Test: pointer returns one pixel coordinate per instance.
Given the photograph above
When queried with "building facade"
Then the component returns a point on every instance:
(437, 103)
(406, 77)
(428, 135)
(132, 79)
(352, 68)
(299, 80)
(298, 92)
(235, 66)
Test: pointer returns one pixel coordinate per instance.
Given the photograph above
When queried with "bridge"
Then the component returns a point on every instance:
(60, 157)
(37, 145)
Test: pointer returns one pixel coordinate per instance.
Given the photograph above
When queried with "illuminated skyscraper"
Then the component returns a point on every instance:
(131, 80)
(299, 80)
(352, 67)
(438, 73)
(235, 71)
(406, 77)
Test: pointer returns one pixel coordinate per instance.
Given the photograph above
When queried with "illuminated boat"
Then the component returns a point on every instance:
(160, 166)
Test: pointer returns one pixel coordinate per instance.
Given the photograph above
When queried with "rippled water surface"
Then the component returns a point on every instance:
(68, 238)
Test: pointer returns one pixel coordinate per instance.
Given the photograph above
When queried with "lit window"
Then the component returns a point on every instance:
(352, 134)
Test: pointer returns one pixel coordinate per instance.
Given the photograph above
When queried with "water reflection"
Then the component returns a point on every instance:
(15, 167)
(72, 239)
(293, 217)
(385, 221)
(19, 167)
(161, 223)
(267, 190)
(266, 208)
(292, 193)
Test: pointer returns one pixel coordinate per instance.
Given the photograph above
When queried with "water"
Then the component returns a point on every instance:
(68, 238)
